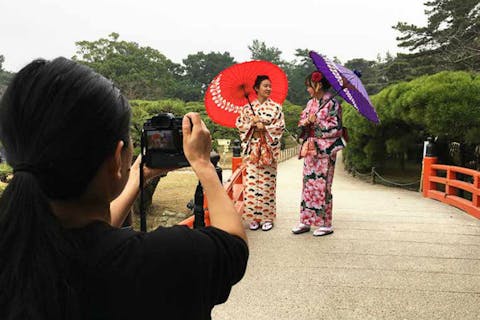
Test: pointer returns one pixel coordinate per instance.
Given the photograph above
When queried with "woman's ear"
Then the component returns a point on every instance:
(117, 160)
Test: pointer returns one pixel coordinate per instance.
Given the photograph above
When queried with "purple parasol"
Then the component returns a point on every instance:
(347, 84)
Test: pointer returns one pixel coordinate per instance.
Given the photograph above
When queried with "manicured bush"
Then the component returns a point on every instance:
(445, 105)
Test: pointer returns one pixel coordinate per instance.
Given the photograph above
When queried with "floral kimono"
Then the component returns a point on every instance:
(323, 140)
(261, 150)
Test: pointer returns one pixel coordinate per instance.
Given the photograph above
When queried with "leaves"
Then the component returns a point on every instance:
(201, 68)
(446, 105)
(260, 51)
(140, 72)
(451, 38)
(4, 76)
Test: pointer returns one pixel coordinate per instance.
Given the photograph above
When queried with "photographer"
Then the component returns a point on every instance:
(65, 130)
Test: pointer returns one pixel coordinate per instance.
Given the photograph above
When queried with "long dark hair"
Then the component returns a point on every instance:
(59, 120)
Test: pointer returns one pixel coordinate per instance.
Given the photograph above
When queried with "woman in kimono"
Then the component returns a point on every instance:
(261, 125)
(321, 123)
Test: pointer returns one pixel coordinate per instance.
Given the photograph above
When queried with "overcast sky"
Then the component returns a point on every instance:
(344, 28)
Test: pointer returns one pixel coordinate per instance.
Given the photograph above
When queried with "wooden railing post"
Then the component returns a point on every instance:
(427, 173)
(451, 176)
(455, 189)
(476, 196)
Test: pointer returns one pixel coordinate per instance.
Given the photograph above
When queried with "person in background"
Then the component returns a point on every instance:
(65, 130)
(261, 125)
(321, 123)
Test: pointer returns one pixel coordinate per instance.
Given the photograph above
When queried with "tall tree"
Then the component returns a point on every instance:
(200, 68)
(141, 72)
(370, 74)
(297, 71)
(260, 51)
(451, 37)
(4, 76)
(441, 105)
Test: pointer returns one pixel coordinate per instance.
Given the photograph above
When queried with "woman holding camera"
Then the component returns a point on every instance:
(261, 125)
(65, 130)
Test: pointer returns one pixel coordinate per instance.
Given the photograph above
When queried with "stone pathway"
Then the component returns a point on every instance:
(394, 255)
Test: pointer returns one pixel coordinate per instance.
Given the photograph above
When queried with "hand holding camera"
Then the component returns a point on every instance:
(148, 173)
(162, 142)
(170, 142)
(197, 145)
(197, 142)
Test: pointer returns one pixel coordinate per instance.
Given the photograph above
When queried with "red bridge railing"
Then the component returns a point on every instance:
(441, 182)
(233, 187)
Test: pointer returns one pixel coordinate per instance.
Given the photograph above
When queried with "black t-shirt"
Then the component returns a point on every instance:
(169, 273)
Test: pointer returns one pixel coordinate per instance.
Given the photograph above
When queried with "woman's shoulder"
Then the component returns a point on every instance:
(171, 262)
(176, 240)
(247, 105)
(330, 98)
(329, 101)
(312, 103)
(102, 240)
(274, 105)
(327, 96)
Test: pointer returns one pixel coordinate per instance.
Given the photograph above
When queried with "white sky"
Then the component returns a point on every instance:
(344, 28)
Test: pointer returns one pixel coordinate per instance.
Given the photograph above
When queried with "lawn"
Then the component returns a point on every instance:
(170, 199)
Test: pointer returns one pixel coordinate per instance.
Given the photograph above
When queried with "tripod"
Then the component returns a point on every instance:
(199, 200)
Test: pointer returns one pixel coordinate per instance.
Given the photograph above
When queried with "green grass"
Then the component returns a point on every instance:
(172, 195)
(5, 170)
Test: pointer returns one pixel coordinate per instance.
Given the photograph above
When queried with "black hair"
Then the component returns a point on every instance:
(310, 83)
(258, 81)
(59, 121)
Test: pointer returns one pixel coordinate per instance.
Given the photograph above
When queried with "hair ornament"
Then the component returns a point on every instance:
(317, 76)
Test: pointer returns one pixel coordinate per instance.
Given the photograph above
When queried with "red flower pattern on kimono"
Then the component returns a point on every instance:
(319, 167)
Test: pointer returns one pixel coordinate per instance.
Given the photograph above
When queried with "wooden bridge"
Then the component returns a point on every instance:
(395, 254)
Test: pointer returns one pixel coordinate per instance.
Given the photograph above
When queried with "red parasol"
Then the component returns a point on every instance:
(227, 93)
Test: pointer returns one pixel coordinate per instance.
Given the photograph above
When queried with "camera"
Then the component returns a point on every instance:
(162, 142)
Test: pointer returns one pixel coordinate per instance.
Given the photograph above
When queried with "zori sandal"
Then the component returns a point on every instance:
(267, 225)
(323, 231)
(254, 225)
(300, 228)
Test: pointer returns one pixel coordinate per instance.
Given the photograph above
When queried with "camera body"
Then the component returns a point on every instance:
(162, 142)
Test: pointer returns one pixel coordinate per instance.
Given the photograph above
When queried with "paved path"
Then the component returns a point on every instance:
(394, 255)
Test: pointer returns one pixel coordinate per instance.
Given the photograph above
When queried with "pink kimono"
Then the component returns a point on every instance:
(319, 165)
(260, 156)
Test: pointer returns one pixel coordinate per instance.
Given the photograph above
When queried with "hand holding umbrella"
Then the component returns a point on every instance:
(232, 89)
(347, 84)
